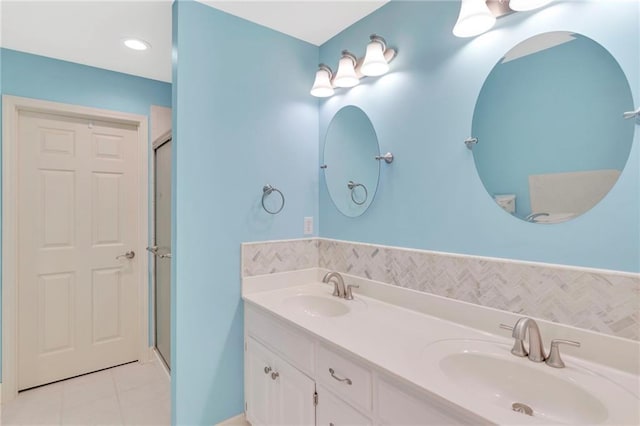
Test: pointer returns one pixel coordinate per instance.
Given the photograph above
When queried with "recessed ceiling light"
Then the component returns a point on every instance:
(136, 44)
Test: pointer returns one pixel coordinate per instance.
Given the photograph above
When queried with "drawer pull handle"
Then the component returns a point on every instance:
(346, 380)
(267, 370)
(275, 375)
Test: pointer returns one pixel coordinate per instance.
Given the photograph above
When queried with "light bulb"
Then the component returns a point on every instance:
(375, 63)
(322, 87)
(346, 74)
(136, 44)
(475, 18)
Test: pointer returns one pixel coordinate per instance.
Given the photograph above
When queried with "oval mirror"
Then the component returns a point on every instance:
(350, 168)
(552, 139)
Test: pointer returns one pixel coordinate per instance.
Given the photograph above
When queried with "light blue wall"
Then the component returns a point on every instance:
(431, 196)
(243, 118)
(557, 110)
(32, 76)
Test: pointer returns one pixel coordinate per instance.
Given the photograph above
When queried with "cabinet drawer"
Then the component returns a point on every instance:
(287, 342)
(344, 377)
(332, 411)
(398, 406)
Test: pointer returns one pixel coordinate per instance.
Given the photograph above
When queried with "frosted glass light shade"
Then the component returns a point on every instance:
(346, 74)
(524, 5)
(322, 87)
(475, 18)
(374, 63)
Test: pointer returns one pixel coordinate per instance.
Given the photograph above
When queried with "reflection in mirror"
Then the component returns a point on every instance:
(552, 139)
(351, 171)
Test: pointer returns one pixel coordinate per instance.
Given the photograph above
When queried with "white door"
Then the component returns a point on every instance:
(77, 293)
(162, 250)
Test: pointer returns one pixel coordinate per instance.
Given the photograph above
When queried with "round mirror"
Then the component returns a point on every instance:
(552, 139)
(350, 168)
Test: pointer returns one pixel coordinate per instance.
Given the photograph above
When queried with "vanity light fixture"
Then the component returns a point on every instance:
(526, 5)
(375, 63)
(322, 87)
(479, 16)
(346, 75)
(351, 69)
(136, 44)
(474, 19)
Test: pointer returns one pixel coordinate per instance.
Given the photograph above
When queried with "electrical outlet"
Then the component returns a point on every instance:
(308, 225)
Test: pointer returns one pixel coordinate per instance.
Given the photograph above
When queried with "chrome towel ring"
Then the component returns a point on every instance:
(352, 186)
(267, 190)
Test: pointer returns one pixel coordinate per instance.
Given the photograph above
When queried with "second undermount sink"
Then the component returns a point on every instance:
(317, 306)
(489, 374)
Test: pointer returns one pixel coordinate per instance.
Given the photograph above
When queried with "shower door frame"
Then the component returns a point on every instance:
(161, 140)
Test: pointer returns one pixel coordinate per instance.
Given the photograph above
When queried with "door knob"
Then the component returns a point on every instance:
(128, 255)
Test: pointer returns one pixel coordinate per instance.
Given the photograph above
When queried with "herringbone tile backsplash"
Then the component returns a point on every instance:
(603, 301)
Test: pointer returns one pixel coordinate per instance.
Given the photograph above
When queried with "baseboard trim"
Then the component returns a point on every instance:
(154, 353)
(238, 420)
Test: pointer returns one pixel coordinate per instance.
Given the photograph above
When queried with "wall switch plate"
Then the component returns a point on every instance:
(308, 225)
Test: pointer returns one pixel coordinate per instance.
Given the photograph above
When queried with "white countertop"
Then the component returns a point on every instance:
(396, 340)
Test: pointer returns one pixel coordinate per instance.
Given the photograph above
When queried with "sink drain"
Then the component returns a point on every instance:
(522, 408)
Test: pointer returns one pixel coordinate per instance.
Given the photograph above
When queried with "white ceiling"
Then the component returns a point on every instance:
(90, 31)
(313, 21)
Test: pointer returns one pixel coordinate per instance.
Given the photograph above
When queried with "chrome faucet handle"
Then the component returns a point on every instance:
(554, 360)
(348, 294)
(518, 345)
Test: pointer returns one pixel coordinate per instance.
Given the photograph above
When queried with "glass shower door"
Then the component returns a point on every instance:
(162, 222)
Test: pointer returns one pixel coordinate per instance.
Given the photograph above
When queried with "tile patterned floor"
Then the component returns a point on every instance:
(132, 394)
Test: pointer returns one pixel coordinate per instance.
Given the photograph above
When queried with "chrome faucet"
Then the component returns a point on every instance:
(338, 283)
(536, 349)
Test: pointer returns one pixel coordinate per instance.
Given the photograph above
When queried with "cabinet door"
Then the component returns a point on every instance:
(332, 411)
(259, 396)
(295, 394)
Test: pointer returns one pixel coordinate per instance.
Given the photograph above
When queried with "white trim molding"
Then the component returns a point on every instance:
(11, 107)
(238, 420)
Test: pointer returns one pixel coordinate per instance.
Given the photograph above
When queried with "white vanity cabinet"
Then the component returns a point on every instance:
(293, 378)
(397, 405)
(332, 411)
(276, 392)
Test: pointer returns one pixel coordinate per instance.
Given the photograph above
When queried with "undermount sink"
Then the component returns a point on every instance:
(487, 372)
(317, 306)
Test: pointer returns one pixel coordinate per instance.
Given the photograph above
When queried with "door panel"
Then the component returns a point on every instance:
(294, 396)
(77, 211)
(163, 241)
(56, 299)
(259, 385)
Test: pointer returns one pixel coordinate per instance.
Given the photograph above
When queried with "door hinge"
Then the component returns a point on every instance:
(315, 398)
(245, 408)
